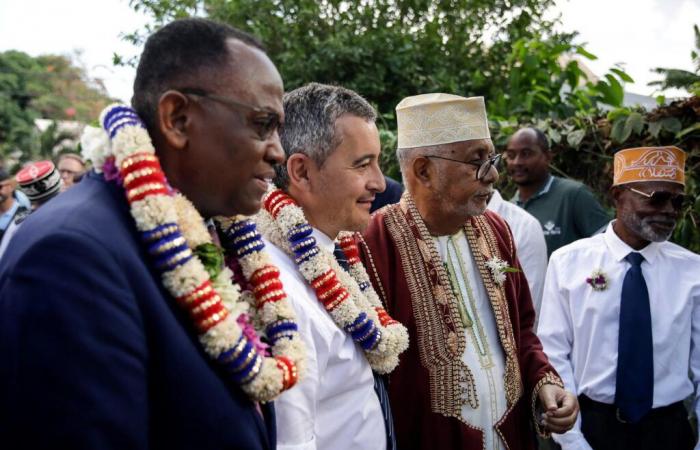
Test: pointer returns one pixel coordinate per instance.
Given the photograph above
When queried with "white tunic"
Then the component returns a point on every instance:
(529, 243)
(579, 326)
(334, 406)
(483, 353)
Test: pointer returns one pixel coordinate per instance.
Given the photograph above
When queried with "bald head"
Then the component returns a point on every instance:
(527, 157)
(534, 136)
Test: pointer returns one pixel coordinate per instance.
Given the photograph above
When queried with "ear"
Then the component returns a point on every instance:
(173, 119)
(423, 170)
(299, 167)
(615, 193)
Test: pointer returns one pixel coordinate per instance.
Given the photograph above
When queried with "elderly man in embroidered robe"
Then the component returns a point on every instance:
(621, 315)
(332, 173)
(475, 375)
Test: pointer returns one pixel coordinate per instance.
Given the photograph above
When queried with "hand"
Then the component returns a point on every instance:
(560, 408)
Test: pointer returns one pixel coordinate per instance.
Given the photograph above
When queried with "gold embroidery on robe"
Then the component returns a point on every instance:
(441, 340)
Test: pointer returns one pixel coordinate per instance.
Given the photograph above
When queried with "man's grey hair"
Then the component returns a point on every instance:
(309, 125)
(406, 155)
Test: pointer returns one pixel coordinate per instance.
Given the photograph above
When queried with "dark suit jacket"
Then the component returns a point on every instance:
(94, 354)
(392, 194)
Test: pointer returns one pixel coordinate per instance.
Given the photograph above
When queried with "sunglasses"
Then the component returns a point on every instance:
(484, 166)
(660, 198)
(265, 122)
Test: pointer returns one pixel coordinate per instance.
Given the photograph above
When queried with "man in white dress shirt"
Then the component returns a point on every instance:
(621, 314)
(529, 243)
(332, 172)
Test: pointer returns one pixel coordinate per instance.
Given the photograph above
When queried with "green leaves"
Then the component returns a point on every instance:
(655, 128)
(671, 124)
(212, 257)
(583, 52)
(625, 125)
(612, 91)
(575, 137)
(48, 86)
(695, 128)
(623, 76)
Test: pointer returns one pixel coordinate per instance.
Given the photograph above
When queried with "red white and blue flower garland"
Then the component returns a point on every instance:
(175, 233)
(348, 296)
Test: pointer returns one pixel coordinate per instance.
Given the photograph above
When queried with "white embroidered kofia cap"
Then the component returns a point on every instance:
(434, 119)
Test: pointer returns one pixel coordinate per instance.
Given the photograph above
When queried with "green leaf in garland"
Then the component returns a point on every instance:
(212, 257)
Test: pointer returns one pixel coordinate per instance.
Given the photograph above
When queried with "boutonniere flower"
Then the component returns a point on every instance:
(598, 280)
(95, 146)
(498, 269)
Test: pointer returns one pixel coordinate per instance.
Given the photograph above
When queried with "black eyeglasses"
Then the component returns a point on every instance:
(266, 123)
(483, 166)
(659, 198)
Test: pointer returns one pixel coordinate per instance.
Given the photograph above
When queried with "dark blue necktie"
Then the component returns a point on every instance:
(634, 388)
(340, 257)
(379, 383)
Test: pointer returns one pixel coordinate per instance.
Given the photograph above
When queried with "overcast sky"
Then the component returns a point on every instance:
(640, 34)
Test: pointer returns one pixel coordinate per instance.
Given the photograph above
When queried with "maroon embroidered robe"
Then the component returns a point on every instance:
(430, 385)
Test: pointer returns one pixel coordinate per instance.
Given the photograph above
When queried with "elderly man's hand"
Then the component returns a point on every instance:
(560, 408)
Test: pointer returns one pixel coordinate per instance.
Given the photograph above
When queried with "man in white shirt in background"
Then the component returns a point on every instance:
(332, 173)
(621, 314)
(529, 243)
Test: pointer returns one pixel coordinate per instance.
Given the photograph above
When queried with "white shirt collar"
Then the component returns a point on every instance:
(496, 200)
(620, 249)
(322, 240)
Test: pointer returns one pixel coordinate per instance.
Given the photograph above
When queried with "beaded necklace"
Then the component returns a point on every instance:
(348, 296)
(182, 250)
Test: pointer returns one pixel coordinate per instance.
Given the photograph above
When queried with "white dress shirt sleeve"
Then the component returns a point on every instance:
(529, 242)
(556, 334)
(295, 409)
(532, 254)
(695, 355)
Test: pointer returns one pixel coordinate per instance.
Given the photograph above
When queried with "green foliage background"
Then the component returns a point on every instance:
(49, 86)
(584, 147)
(504, 50)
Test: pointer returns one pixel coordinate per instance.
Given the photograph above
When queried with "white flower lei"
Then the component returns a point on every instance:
(384, 357)
(266, 377)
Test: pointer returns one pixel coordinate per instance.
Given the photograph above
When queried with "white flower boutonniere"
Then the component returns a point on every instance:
(498, 269)
(95, 146)
(598, 280)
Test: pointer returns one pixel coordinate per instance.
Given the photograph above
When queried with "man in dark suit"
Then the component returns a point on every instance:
(392, 194)
(95, 354)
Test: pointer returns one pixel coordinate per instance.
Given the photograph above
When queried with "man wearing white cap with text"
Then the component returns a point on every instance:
(474, 376)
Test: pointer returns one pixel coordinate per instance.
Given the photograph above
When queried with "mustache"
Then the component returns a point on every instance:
(659, 218)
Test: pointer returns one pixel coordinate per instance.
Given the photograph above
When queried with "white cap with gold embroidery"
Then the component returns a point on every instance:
(434, 119)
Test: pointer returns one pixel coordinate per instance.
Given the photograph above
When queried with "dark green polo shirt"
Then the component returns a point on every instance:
(567, 210)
